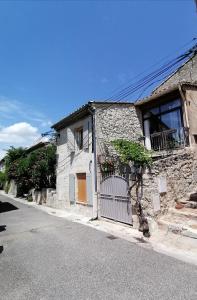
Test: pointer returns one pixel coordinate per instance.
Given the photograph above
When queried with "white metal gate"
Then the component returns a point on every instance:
(114, 200)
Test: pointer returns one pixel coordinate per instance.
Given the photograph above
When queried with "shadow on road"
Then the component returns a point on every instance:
(1, 249)
(2, 228)
(6, 206)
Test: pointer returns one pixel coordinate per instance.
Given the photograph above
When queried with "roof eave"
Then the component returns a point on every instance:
(84, 111)
(80, 113)
(170, 90)
(37, 146)
(156, 96)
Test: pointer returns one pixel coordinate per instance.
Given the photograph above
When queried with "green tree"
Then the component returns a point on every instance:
(31, 170)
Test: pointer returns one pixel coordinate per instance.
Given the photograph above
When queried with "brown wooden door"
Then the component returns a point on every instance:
(82, 193)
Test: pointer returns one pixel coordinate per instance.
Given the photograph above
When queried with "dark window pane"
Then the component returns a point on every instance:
(154, 110)
(79, 138)
(172, 120)
(170, 105)
(156, 125)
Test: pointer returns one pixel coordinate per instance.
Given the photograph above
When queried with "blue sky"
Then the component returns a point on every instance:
(56, 55)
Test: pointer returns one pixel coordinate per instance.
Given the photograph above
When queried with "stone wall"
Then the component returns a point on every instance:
(47, 196)
(186, 73)
(118, 121)
(171, 178)
(12, 188)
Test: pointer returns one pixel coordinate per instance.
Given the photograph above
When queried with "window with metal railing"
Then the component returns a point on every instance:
(164, 126)
(170, 139)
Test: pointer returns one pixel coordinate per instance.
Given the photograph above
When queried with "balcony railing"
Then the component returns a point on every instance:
(170, 139)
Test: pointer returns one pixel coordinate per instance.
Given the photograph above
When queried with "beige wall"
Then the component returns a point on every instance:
(191, 100)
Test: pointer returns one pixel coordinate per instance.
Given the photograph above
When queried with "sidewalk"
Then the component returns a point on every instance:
(168, 243)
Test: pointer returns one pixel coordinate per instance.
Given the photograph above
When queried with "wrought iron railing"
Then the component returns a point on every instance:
(170, 139)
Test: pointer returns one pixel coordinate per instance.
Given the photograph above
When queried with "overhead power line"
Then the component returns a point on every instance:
(155, 76)
(144, 83)
(181, 48)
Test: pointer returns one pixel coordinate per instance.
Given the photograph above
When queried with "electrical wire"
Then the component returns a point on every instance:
(140, 83)
(150, 67)
(146, 82)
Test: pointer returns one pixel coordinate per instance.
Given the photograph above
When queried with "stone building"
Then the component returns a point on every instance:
(170, 129)
(169, 118)
(83, 138)
(167, 123)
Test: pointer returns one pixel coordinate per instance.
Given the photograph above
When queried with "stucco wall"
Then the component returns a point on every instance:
(171, 179)
(191, 100)
(68, 162)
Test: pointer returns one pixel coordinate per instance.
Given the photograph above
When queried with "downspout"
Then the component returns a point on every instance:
(94, 150)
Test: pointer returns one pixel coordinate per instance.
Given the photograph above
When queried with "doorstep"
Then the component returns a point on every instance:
(180, 221)
(178, 228)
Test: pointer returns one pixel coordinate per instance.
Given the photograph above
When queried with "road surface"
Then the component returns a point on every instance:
(46, 257)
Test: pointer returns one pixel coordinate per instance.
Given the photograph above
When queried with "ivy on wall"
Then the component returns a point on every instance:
(130, 151)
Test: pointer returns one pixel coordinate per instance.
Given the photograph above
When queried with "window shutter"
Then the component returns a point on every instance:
(89, 189)
(86, 135)
(70, 140)
(72, 188)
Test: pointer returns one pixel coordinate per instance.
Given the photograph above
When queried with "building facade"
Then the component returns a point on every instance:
(166, 122)
(84, 137)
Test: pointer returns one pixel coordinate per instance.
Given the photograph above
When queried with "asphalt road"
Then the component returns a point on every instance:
(45, 257)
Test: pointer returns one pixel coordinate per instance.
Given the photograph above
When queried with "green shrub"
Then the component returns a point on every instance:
(29, 198)
(7, 187)
(31, 170)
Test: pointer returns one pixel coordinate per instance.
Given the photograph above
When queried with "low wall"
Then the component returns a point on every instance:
(12, 188)
(171, 179)
(45, 197)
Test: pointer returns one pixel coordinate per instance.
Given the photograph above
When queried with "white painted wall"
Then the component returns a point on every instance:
(79, 161)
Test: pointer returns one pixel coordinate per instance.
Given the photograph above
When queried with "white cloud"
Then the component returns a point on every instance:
(2, 153)
(19, 134)
(11, 109)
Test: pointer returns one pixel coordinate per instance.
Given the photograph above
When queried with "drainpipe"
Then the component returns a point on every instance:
(94, 150)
